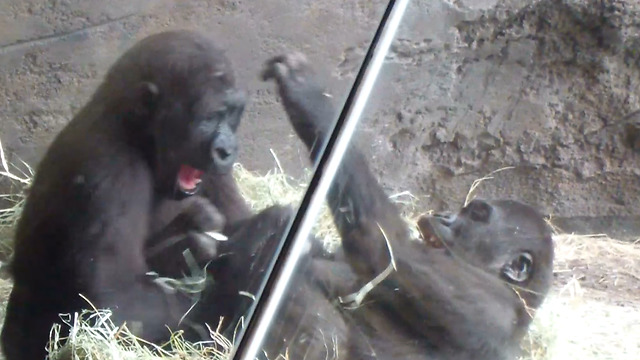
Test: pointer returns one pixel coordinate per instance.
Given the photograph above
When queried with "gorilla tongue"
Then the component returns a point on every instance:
(428, 234)
(189, 178)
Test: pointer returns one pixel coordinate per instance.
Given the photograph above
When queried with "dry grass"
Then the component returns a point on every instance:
(94, 336)
(594, 309)
(275, 187)
(278, 188)
(19, 177)
(592, 313)
(578, 327)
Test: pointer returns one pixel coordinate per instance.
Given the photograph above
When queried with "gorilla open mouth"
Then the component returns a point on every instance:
(189, 179)
(428, 233)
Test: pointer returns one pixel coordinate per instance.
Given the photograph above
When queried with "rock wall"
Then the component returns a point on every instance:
(54, 53)
(547, 88)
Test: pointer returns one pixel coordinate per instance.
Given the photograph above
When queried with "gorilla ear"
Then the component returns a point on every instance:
(519, 268)
(141, 103)
(479, 211)
(147, 94)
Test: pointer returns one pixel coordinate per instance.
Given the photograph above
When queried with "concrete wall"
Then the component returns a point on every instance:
(546, 87)
(54, 53)
(471, 86)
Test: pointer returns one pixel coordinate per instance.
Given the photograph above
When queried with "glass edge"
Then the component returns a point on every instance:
(291, 249)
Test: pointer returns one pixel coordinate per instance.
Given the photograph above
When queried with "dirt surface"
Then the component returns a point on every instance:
(606, 268)
(619, 287)
(593, 310)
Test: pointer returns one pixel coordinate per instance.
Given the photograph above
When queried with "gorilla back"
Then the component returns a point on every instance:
(165, 114)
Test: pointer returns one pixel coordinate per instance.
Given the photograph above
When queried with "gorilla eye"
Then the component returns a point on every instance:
(519, 269)
(479, 211)
(218, 114)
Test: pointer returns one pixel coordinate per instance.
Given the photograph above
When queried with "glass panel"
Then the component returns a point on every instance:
(460, 225)
(110, 214)
(312, 114)
(496, 131)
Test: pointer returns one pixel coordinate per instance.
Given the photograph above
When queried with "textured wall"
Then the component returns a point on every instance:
(471, 86)
(545, 87)
(54, 53)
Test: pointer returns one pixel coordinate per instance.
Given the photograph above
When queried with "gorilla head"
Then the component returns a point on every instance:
(508, 239)
(183, 105)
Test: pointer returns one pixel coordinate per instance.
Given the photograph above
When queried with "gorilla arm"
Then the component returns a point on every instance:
(457, 307)
(356, 200)
(180, 225)
(223, 192)
(120, 206)
(453, 306)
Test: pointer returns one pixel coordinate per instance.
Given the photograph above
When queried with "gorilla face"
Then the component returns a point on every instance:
(500, 237)
(191, 108)
(203, 141)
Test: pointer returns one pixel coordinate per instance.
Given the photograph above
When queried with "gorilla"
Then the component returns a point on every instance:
(467, 289)
(143, 172)
(114, 197)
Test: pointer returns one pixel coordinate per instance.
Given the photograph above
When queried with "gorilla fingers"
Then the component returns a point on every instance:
(193, 224)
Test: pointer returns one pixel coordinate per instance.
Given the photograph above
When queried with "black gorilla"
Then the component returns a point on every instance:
(466, 291)
(111, 199)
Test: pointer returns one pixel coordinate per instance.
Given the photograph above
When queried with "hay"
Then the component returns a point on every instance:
(19, 177)
(274, 188)
(277, 188)
(577, 327)
(94, 336)
(593, 311)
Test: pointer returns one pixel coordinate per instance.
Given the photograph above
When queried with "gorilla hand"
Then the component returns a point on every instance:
(307, 104)
(199, 223)
(205, 224)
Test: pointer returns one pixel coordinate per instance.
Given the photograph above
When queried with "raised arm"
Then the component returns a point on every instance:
(363, 214)
(450, 300)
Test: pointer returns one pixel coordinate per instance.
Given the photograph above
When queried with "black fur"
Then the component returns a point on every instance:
(461, 293)
(106, 208)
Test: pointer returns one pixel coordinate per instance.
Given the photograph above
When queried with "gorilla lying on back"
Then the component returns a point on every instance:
(465, 291)
(111, 199)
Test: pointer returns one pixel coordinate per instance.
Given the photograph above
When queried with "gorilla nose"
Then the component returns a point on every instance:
(223, 152)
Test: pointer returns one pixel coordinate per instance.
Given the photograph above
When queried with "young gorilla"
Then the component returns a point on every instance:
(111, 201)
(466, 291)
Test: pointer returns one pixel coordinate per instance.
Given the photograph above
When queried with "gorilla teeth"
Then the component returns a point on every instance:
(434, 241)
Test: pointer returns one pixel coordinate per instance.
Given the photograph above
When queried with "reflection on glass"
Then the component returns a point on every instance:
(311, 114)
(462, 119)
(135, 228)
